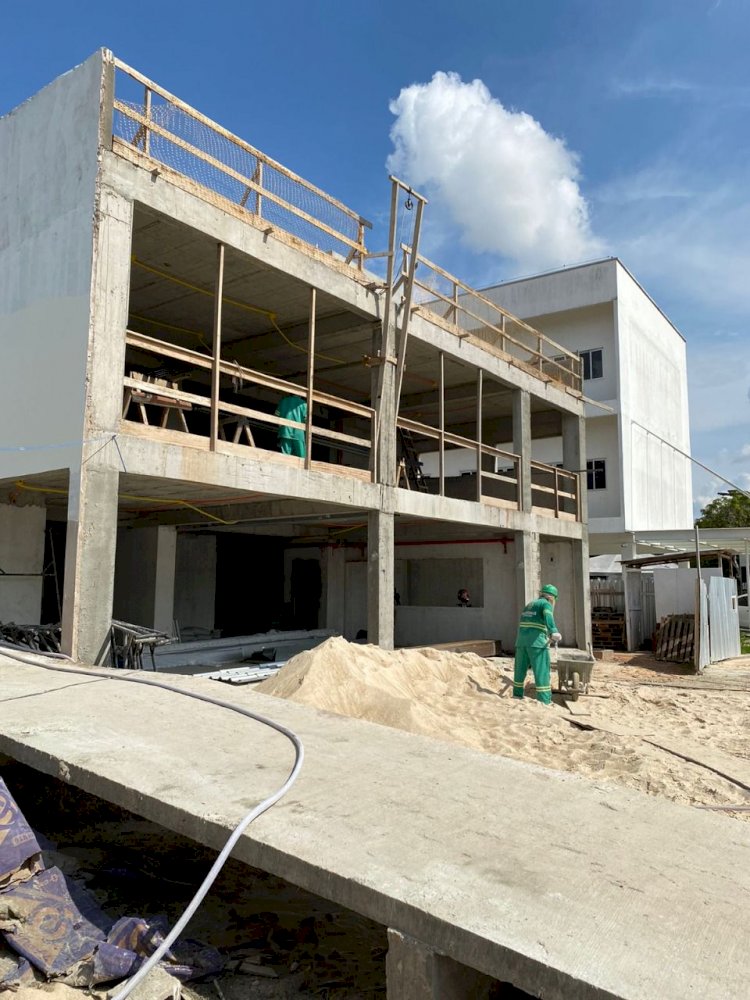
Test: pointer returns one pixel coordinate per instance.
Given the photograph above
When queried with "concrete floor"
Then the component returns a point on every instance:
(564, 887)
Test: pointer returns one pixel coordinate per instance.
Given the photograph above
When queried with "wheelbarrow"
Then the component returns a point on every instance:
(573, 672)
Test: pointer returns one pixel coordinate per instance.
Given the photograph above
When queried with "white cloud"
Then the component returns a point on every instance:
(508, 186)
(653, 86)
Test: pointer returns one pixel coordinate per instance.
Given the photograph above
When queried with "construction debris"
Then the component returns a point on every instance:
(60, 930)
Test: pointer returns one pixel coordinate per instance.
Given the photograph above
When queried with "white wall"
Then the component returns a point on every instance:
(674, 589)
(48, 170)
(658, 487)
(21, 551)
(195, 581)
(589, 328)
(571, 288)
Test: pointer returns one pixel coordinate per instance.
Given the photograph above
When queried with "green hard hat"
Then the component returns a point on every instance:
(548, 588)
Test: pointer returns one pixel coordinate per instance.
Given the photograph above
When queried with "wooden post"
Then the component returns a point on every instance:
(441, 418)
(480, 374)
(258, 178)
(147, 116)
(361, 242)
(310, 375)
(216, 367)
(557, 493)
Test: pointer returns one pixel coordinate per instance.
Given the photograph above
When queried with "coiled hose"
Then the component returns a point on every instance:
(12, 651)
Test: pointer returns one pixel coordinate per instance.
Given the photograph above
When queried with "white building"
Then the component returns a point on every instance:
(633, 362)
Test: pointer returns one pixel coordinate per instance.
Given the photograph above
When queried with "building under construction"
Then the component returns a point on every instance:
(164, 286)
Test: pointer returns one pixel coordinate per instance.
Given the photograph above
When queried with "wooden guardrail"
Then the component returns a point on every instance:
(444, 438)
(192, 400)
(459, 309)
(165, 129)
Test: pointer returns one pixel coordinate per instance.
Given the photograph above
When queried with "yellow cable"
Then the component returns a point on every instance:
(21, 485)
(234, 302)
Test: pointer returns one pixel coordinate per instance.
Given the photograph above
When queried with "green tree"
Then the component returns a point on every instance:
(728, 510)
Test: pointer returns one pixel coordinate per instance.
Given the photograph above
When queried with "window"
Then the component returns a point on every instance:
(591, 364)
(596, 474)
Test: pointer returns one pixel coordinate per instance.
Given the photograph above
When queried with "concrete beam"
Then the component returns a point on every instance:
(557, 397)
(448, 509)
(414, 971)
(236, 230)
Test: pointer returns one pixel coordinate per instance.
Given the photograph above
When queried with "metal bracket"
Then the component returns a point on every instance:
(371, 361)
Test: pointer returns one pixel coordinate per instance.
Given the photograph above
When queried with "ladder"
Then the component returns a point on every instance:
(410, 464)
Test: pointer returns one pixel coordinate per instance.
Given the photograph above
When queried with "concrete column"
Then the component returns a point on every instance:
(415, 971)
(574, 454)
(334, 569)
(581, 592)
(384, 400)
(90, 562)
(522, 444)
(528, 578)
(574, 459)
(166, 564)
(380, 579)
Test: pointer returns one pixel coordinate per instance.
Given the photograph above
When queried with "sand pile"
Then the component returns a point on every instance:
(463, 698)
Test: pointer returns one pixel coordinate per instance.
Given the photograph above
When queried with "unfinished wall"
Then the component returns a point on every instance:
(556, 559)
(21, 551)
(48, 169)
(443, 620)
(145, 577)
(195, 581)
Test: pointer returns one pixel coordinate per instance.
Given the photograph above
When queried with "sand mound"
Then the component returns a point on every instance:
(466, 699)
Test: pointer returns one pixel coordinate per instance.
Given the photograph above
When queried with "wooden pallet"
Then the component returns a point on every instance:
(675, 639)
(608, 630)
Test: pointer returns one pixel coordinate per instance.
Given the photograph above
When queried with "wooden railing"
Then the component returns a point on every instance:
(156, 124)
(504, 485)
(456, 307)
(555, 491)
(244, 416)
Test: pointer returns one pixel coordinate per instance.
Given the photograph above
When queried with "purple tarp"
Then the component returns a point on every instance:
(60, 928)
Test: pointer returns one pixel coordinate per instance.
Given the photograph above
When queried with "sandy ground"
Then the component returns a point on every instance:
(466, 699)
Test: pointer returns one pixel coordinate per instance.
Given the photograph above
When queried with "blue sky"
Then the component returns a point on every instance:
(634, 115)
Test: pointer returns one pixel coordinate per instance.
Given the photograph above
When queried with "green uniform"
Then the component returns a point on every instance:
(532, 649)
(292, 439)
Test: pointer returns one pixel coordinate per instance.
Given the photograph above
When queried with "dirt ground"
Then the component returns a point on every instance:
(634, 702)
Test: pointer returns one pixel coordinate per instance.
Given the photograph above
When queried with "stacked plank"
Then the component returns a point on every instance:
(675, 639)
(608, 630)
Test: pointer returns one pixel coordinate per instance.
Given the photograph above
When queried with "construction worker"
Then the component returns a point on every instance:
(535, 631)
(291, 440)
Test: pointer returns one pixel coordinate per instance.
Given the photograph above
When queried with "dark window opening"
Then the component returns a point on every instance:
(596, 474)
(591, 363)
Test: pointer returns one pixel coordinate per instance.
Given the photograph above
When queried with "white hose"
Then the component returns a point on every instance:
(299, 755)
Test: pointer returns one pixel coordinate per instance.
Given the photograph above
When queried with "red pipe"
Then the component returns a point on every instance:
(462, 541)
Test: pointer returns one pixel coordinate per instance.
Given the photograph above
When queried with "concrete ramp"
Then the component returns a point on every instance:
(566, 888)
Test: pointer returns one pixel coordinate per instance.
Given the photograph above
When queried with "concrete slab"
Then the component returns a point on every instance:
(565, 887)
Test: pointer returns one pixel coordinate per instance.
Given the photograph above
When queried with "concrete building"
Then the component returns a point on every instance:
(633, 362)
(163, 287)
